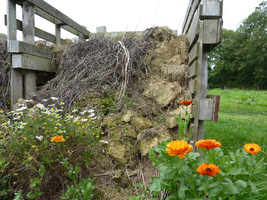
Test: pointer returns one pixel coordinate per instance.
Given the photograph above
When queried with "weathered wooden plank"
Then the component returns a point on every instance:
(10, 20)
(212, 31)
(28, 24)
(30, 62)
(82, 37)
(37, 32)
(216, 105)
(29, 83)
(59, 15)
(22, 47)
(193, 69)
(211, 9)
(16, 84)
(193, 32)
(193, 12)
(57, 34)
(205, 109)
(194, 53)
(193, 86)
(52, 19)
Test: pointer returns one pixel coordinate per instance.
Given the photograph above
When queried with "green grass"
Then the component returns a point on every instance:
(242, 119)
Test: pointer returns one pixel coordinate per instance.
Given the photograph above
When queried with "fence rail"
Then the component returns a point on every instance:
(25, 56)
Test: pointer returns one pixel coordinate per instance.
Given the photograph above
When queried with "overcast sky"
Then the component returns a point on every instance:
(134, 15)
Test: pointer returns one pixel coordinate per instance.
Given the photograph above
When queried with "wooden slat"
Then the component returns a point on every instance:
(192, 13)
(52, 19)
(16, 83)
(194, 53)
(37, 32)
(28, 24)
(30, 62)
(22, 47)
(193, 32)
(205, 109)
(59, 15)
(211, 31)
(216, 104)
(193, 69)
(193, 86)
(211, 9)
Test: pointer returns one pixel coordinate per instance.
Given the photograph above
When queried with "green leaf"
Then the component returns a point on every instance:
(215, 192)
(253, 187)
(181, 191)
(240, 185)
(157, 185)
(228, 187)
(238, 171)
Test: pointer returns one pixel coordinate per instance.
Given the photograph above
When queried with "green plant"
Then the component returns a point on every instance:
(81, 190)
(183, 123)
(145, 195)
(40, 137)
(231, 176)
(35, 184)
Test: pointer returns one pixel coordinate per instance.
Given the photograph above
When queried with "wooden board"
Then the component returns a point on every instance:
(23, 47)
(59, 15)
(30, 62)
(193, 69)
(211, 9)
(37, 32)
(190, 14)
(205, 109)
(212, 31)
(194, 53)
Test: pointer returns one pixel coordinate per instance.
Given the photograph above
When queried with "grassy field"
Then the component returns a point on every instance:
(242, 119)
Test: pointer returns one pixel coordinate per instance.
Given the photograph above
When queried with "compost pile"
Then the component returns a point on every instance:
(98, 65)
(4, 70)
(113, 65)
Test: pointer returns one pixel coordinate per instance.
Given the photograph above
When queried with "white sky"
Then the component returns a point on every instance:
(133, 15)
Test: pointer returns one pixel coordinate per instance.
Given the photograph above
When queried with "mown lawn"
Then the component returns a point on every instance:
(242, 119)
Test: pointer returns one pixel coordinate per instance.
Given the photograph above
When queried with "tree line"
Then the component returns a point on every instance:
(240, 60)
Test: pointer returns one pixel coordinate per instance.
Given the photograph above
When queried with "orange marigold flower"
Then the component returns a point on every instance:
(252, 148)
(186, 103)
(208, 144)
(208, 169)
(178, 148)
(59, 138)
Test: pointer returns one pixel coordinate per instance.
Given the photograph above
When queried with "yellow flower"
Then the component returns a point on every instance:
(59, 138)
(178, 148)
(208, 144)
(252, 148)
(208, 169)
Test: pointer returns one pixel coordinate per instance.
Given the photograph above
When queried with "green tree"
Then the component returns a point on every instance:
(241, 58)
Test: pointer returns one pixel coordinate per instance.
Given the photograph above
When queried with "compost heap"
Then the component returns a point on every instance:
(111, 66)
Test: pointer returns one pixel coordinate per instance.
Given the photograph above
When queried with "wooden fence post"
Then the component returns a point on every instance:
(203, 26)
(101, 30)
(28, 11)
(16, 78)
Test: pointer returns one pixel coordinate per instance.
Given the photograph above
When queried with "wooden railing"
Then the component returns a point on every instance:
(203, 26)
(26, 57)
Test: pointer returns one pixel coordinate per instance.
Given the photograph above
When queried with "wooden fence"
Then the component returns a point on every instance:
(27, 58)
(203, 26)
